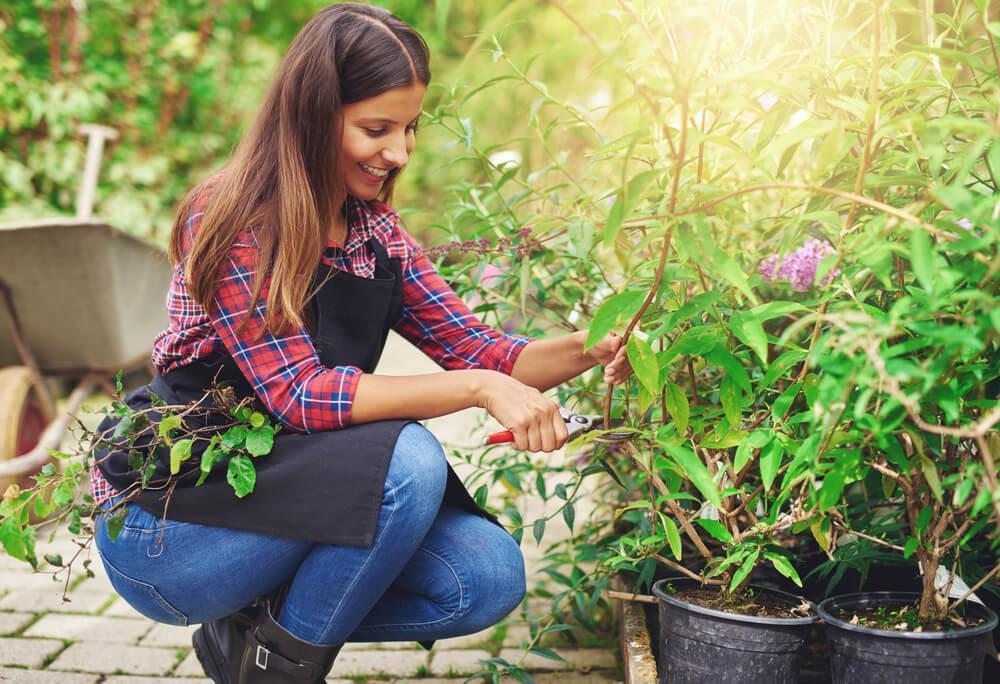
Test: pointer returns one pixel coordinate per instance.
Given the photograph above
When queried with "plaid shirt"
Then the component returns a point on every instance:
(285, 371)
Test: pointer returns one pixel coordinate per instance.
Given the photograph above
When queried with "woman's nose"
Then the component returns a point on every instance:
(396, 152)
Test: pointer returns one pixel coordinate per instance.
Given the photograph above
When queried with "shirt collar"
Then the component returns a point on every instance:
(366, 219)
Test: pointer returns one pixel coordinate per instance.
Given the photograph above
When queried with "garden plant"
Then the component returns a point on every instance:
(790, 210)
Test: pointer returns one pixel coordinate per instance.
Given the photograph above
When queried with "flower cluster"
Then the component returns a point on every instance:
(799, 267)
(524, 247)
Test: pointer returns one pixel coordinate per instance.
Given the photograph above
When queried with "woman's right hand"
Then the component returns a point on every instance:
(532, 417)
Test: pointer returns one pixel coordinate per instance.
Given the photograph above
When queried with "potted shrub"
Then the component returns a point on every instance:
(907, 403)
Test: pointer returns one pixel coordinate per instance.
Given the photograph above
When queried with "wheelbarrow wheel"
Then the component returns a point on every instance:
(22, 419)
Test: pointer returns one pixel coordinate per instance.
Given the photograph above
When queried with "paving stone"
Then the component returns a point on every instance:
(602, 677)
(581, 658)
(381, 646)
(115, 658)
(168, 635)
(468, 641)
(460, 662)
(190, 667)
(78, 627)
(12, 580)
(120, 608)
(14, 676)
(11, 622)
(360, 663)
(27, 652)
(41, 600)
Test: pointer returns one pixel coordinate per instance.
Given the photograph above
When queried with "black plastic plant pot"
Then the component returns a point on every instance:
(880, 656)
(701, 645)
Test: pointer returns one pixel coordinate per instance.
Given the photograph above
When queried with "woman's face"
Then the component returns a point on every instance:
(379, 134)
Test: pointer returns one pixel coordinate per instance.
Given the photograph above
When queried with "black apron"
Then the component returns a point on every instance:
(324, 487)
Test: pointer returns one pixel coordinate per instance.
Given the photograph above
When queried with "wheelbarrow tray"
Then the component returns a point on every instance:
(88, 296)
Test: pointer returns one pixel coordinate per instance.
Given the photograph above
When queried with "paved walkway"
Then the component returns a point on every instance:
(96, 637)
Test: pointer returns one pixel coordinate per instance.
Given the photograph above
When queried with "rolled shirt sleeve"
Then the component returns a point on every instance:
(440, 324)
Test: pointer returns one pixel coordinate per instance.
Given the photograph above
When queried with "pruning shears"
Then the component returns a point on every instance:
(576, 425)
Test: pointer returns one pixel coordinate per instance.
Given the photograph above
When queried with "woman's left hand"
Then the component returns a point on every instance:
(610, 353)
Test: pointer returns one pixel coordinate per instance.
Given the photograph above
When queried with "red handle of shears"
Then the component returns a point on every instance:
(500, 437)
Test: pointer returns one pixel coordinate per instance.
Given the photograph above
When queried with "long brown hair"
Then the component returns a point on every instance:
(284, 177)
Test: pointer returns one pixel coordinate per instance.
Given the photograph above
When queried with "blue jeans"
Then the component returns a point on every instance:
(433, 571)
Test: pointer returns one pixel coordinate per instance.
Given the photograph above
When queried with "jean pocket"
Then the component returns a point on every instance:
(144, 597)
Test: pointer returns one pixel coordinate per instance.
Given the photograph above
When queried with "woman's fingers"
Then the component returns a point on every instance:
(534, 436)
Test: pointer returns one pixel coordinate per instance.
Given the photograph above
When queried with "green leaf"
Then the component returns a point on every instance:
(780, 365)
(910, 546)
(729, 397)
(260, 440)
(115, 523)
(677, 406)
(716, 529)
(694, 470)
(734, 368)
(538, 529)
(784, 566)
(179, 452)
(644, 364)
(234, 437)
(616, 310)
(11, 536)
(784, 402)
(569, 515)
(257, 419)
(744, 452)
(727, 267)
(673, 536)
(769, 310)
(749, 330)
(833, 485)
(770, 461)
(931, 475)
(748, 565)
(615, 217)
(168, 423)
(241, 475)
(921, 259)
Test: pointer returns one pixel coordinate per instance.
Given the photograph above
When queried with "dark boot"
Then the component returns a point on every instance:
(272, 655)
(219, 645)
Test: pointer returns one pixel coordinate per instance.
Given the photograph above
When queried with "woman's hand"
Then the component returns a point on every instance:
(532, 417)
(611, 353)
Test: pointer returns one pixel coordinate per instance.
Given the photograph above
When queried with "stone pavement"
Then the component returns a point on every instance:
(96, 637)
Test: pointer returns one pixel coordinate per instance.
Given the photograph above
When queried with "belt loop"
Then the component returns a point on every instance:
(262, 651)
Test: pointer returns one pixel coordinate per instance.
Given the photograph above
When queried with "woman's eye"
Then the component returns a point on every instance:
(375, 132)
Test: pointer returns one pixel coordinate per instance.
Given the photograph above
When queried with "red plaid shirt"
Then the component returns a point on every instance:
(285, 371)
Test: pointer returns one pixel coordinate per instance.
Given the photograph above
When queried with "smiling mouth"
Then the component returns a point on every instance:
(374, 171)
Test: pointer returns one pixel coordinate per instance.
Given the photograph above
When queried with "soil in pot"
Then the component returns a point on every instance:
(700, 643)
(864, 651)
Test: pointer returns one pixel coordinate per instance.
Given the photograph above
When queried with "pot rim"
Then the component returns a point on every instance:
(825, 610)
(736, 617)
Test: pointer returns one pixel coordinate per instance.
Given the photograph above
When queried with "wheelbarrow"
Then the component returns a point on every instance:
(78, 298)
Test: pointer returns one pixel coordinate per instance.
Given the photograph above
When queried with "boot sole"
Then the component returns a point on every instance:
(204, 653)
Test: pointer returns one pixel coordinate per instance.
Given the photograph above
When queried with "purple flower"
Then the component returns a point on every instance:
(964, 223)
(799, 267)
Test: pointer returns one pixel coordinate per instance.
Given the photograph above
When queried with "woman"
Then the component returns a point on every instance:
(290, 270)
